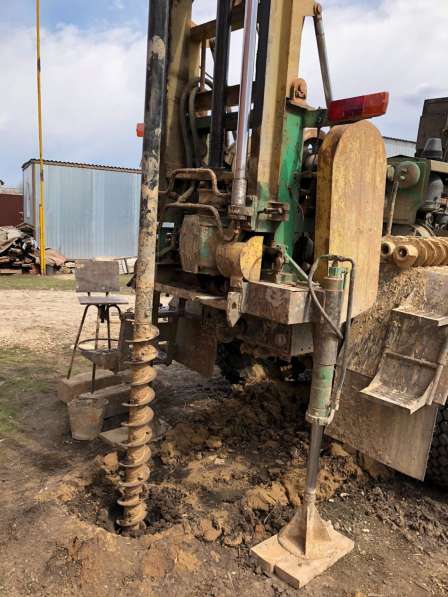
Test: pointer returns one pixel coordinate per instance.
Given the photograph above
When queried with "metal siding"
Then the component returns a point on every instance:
(399, 147)
(89, 212)
(28, 199)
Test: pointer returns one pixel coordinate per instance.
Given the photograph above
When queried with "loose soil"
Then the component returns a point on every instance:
(370, 328)
(228, 474)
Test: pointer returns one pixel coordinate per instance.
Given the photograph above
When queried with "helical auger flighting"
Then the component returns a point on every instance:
(133, 488)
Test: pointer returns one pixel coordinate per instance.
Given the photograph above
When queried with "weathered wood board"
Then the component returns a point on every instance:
(97, 276)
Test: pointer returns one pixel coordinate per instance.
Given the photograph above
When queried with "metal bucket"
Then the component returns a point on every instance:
(86, 417)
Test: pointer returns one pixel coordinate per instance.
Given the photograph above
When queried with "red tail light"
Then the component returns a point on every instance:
(140, 129)
(358, 108)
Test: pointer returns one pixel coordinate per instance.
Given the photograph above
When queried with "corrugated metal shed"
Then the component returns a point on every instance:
(90, 210)
(399, 147)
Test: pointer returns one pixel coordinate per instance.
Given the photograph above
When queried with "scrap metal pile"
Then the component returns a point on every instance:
(19, 251)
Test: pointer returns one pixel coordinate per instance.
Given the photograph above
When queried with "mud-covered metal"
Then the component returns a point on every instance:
(307, 540)
(350, 203)
(307, 535)
(198, 242)
(326, 345)
(241, 260)
(414, 251)
(279, 302)
(397, 371)
(412, 178)
(135, 464)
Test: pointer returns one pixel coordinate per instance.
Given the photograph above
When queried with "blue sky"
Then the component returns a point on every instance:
(93, 54)
(82, 13)
(94, 13)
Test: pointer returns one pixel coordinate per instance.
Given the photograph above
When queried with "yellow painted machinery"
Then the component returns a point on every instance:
(268, 215)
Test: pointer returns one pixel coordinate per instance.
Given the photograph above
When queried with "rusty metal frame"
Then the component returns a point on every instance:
(289, 305)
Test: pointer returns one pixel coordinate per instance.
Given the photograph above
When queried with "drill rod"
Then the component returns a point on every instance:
(138, 453)
(312, 472)
(239, 188)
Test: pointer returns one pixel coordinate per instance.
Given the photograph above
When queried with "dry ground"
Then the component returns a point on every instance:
(228, 474)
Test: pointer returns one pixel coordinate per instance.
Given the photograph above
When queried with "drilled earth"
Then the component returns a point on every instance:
(227, 474)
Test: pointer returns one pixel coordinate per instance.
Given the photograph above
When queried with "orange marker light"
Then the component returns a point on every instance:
(358, 108)
(140, 129)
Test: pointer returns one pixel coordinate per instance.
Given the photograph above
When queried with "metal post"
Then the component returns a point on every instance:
(313, 463)
(42, 254)
(221, 54)
(75, 347)
(97, 333)
(264, 12)
(239, 188)
(391, 203)
(322, 49)
(138, 453)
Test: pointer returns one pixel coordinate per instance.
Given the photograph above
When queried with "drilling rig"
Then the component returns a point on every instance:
(270, 223)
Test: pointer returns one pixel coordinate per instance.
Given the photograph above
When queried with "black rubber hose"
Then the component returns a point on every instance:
(197, 158)
(183, 121)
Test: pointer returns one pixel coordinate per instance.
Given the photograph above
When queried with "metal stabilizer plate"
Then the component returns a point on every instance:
(350, 202)
(391, 393)
(312, 549)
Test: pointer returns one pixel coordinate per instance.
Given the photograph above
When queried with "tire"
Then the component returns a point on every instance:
(438, 457)
(232, 363)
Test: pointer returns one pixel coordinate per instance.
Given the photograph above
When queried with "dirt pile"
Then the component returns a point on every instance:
(426, 518)
(57, 508)
(231, 472)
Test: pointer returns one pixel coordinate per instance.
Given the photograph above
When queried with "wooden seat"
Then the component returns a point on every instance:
(101, 277)
(102, 300)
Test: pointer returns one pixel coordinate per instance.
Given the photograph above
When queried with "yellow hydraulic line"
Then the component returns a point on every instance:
(43, 261)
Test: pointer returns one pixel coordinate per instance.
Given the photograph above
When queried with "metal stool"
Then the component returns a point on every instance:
(97, 276)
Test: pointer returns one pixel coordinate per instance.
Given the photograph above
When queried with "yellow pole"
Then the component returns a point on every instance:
(43, 261)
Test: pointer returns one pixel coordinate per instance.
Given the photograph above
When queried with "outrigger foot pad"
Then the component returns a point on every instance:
(308, 553)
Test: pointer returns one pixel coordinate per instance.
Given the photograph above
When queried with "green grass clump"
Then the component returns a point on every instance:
(23, 374)
(57, 282)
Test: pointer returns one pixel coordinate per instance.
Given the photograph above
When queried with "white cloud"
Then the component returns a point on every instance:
(93, 85)
(394, 47)
(381, 45)
(93, 80)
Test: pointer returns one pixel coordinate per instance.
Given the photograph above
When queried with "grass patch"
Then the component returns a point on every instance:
(31, 282)
(61, 282)
(8, 417)
(22, 374)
